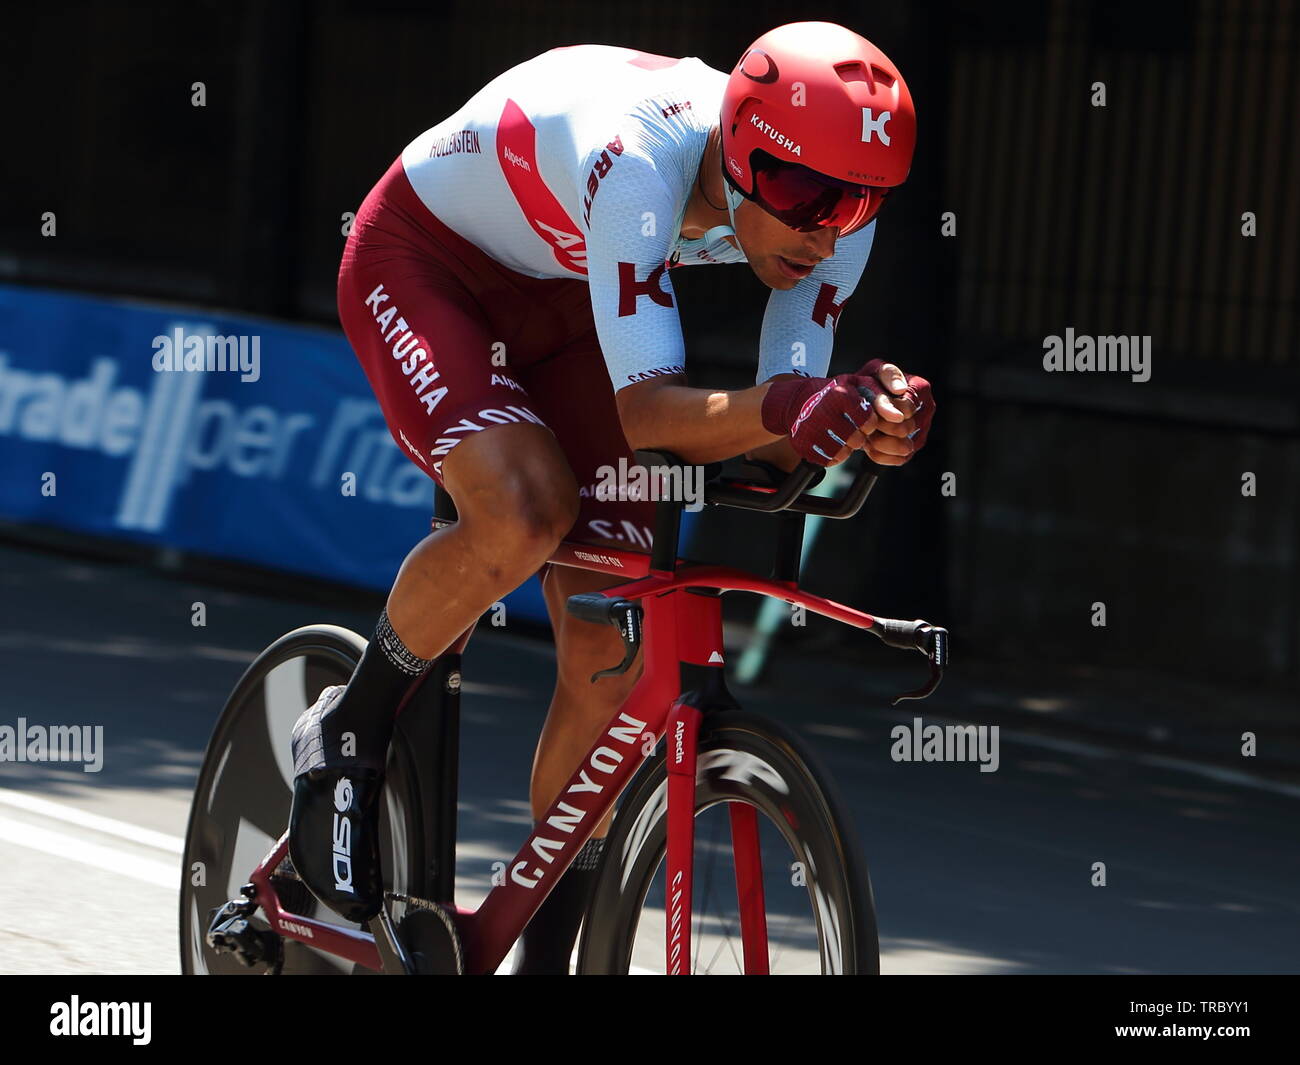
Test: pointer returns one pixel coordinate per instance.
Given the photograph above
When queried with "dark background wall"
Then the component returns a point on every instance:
(1071, 489)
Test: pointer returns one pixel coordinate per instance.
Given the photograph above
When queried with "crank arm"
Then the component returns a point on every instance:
(395, 958)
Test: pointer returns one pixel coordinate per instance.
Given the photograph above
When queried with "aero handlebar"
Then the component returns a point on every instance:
(781, 490)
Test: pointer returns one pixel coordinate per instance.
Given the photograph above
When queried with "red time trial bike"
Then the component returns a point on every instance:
(730, 851)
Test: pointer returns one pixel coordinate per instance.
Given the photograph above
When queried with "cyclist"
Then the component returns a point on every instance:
(506, 287)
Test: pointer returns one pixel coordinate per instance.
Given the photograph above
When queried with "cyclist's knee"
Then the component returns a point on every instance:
(514, 490)
(519, 517)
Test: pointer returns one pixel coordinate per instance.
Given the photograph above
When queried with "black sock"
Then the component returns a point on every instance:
(547, 942)
(368, 707)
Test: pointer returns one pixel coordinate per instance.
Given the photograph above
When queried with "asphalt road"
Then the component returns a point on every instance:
(972, 872)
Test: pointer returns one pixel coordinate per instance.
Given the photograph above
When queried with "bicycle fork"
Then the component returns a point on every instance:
(683, 738)
(683, 745)
(694, 616)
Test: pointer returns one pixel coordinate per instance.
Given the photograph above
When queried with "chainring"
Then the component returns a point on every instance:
(429, 936)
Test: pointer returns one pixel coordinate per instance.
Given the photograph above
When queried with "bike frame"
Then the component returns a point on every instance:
(682, 630)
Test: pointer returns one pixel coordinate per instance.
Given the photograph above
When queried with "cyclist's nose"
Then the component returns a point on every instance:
(823, 242)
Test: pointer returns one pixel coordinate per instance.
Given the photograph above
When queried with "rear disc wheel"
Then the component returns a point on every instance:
(244, 791)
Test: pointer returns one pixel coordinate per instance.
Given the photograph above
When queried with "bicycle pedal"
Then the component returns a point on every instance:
(231, 932)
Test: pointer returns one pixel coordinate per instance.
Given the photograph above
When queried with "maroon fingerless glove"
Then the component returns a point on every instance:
(819, 414)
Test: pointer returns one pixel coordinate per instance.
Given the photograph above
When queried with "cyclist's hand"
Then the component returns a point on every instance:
(825, 418)
(892, 441)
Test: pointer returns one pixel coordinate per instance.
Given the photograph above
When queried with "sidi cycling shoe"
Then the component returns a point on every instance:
(334, 820)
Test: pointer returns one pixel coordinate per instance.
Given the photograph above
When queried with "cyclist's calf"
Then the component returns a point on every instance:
(580, 709)
(582, 652)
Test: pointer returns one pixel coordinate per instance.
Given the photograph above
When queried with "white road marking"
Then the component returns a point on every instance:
(75, 849)
(21, 800)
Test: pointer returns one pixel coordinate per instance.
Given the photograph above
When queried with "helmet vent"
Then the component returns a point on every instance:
(852, 71)
(856, 70)
(748, 103)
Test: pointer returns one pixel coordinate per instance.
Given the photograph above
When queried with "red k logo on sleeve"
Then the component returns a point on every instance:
(629, 288)
(825, 305)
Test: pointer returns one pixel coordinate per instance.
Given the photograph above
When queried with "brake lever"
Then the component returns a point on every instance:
(627, 618)
(624, 614)
(935, 641)
(936, 647)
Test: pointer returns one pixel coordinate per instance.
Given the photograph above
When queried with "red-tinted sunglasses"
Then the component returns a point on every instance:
(807, 201)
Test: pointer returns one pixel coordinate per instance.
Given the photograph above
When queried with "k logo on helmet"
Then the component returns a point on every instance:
(875, 125)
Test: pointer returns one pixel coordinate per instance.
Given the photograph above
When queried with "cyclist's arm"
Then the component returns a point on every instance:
(699, 424)
(797, 338)
(799, 326)
(640, 332)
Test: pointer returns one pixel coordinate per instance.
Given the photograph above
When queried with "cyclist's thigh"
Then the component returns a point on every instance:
(426, 348)
(573, 393)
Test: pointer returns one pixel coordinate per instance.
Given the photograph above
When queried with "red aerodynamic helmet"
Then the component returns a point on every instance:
(817, 126)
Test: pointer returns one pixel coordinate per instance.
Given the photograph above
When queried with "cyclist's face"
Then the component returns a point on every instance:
(779, 255)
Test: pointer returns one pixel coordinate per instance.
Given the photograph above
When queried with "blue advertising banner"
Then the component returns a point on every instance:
(275, 453)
